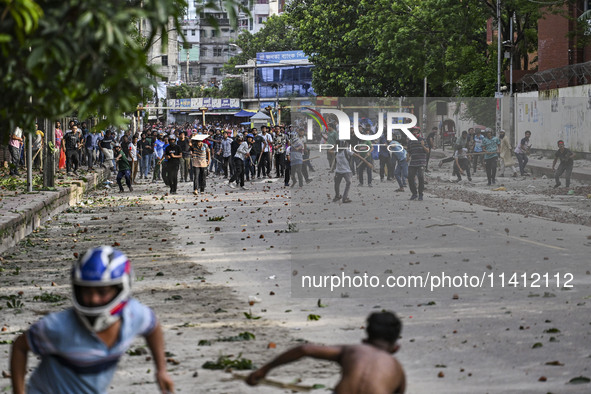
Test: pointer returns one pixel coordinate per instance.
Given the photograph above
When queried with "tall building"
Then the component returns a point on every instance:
(202, 60)
(208, 48)
(164, 54)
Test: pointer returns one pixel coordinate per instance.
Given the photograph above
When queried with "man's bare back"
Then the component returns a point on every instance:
(367, 369)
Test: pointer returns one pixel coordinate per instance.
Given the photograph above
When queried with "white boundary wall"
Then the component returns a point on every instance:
(557, 114)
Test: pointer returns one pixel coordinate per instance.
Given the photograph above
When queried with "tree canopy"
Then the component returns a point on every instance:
(61, 56)
(387, 48)
(276, 35)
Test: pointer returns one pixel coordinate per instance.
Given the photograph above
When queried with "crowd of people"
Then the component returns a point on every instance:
(193, 152)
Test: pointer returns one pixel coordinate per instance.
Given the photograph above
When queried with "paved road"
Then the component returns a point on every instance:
(481, 339)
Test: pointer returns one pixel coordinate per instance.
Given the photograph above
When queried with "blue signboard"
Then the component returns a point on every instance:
(281, 57)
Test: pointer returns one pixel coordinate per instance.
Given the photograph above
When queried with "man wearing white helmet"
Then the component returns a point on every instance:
(81, 346)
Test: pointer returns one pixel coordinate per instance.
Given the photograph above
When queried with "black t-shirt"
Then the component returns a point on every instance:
(564, 157)
(71, 139)
(106, 143)
(140, 147)
(257, 145)
(148, 146)
(431, 139)
(88, 139)
(185, 148)
(234, 147)
(173, 148)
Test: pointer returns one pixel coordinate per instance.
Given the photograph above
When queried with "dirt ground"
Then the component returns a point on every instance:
(218, 266)
(173, 249)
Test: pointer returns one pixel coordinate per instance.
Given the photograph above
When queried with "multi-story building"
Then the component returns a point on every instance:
(164, 54)
(201, 59)
(260, 11)
(209, 48)
(189, 53)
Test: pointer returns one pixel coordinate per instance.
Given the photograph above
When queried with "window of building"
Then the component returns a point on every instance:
(214, 33)
(217, 71)
(190, 71)
(203, 52)
(261, 19)
(165, 60)
(217, 51)
(184, 32)
(202, 32)
(193, 32)
(202, 70)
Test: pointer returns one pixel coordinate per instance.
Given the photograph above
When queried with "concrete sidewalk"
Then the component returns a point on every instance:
(538, 167)
(541, 167)
(21, 212)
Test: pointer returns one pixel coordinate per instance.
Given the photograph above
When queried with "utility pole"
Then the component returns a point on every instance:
(511, 97)
(140, 117)
(187, 68)
(29, 140)
(49, 155)
(498, 94)
(256, 85)
(424, 125)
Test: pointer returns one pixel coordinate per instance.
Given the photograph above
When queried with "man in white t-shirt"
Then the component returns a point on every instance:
(265, 162)
(134, 158)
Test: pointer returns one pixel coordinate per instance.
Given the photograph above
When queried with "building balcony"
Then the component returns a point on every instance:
(213, 59)
(221, 22)
(225, 40)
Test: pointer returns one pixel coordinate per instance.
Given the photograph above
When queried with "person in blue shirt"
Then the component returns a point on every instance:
(159, 146)
(80, 347)
(477, 148)
(401, 171)
(491, 146)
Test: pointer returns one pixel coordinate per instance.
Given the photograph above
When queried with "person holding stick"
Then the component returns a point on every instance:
(366, 163)
(417, 158)
(566, 164)
(491, 146)
(368, 368)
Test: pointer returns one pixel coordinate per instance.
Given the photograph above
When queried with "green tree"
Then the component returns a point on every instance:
(387, 48)
(231, 88)
(276, 35)
(61, 56)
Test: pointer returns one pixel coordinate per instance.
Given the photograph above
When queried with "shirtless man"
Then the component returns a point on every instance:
(368, 368)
